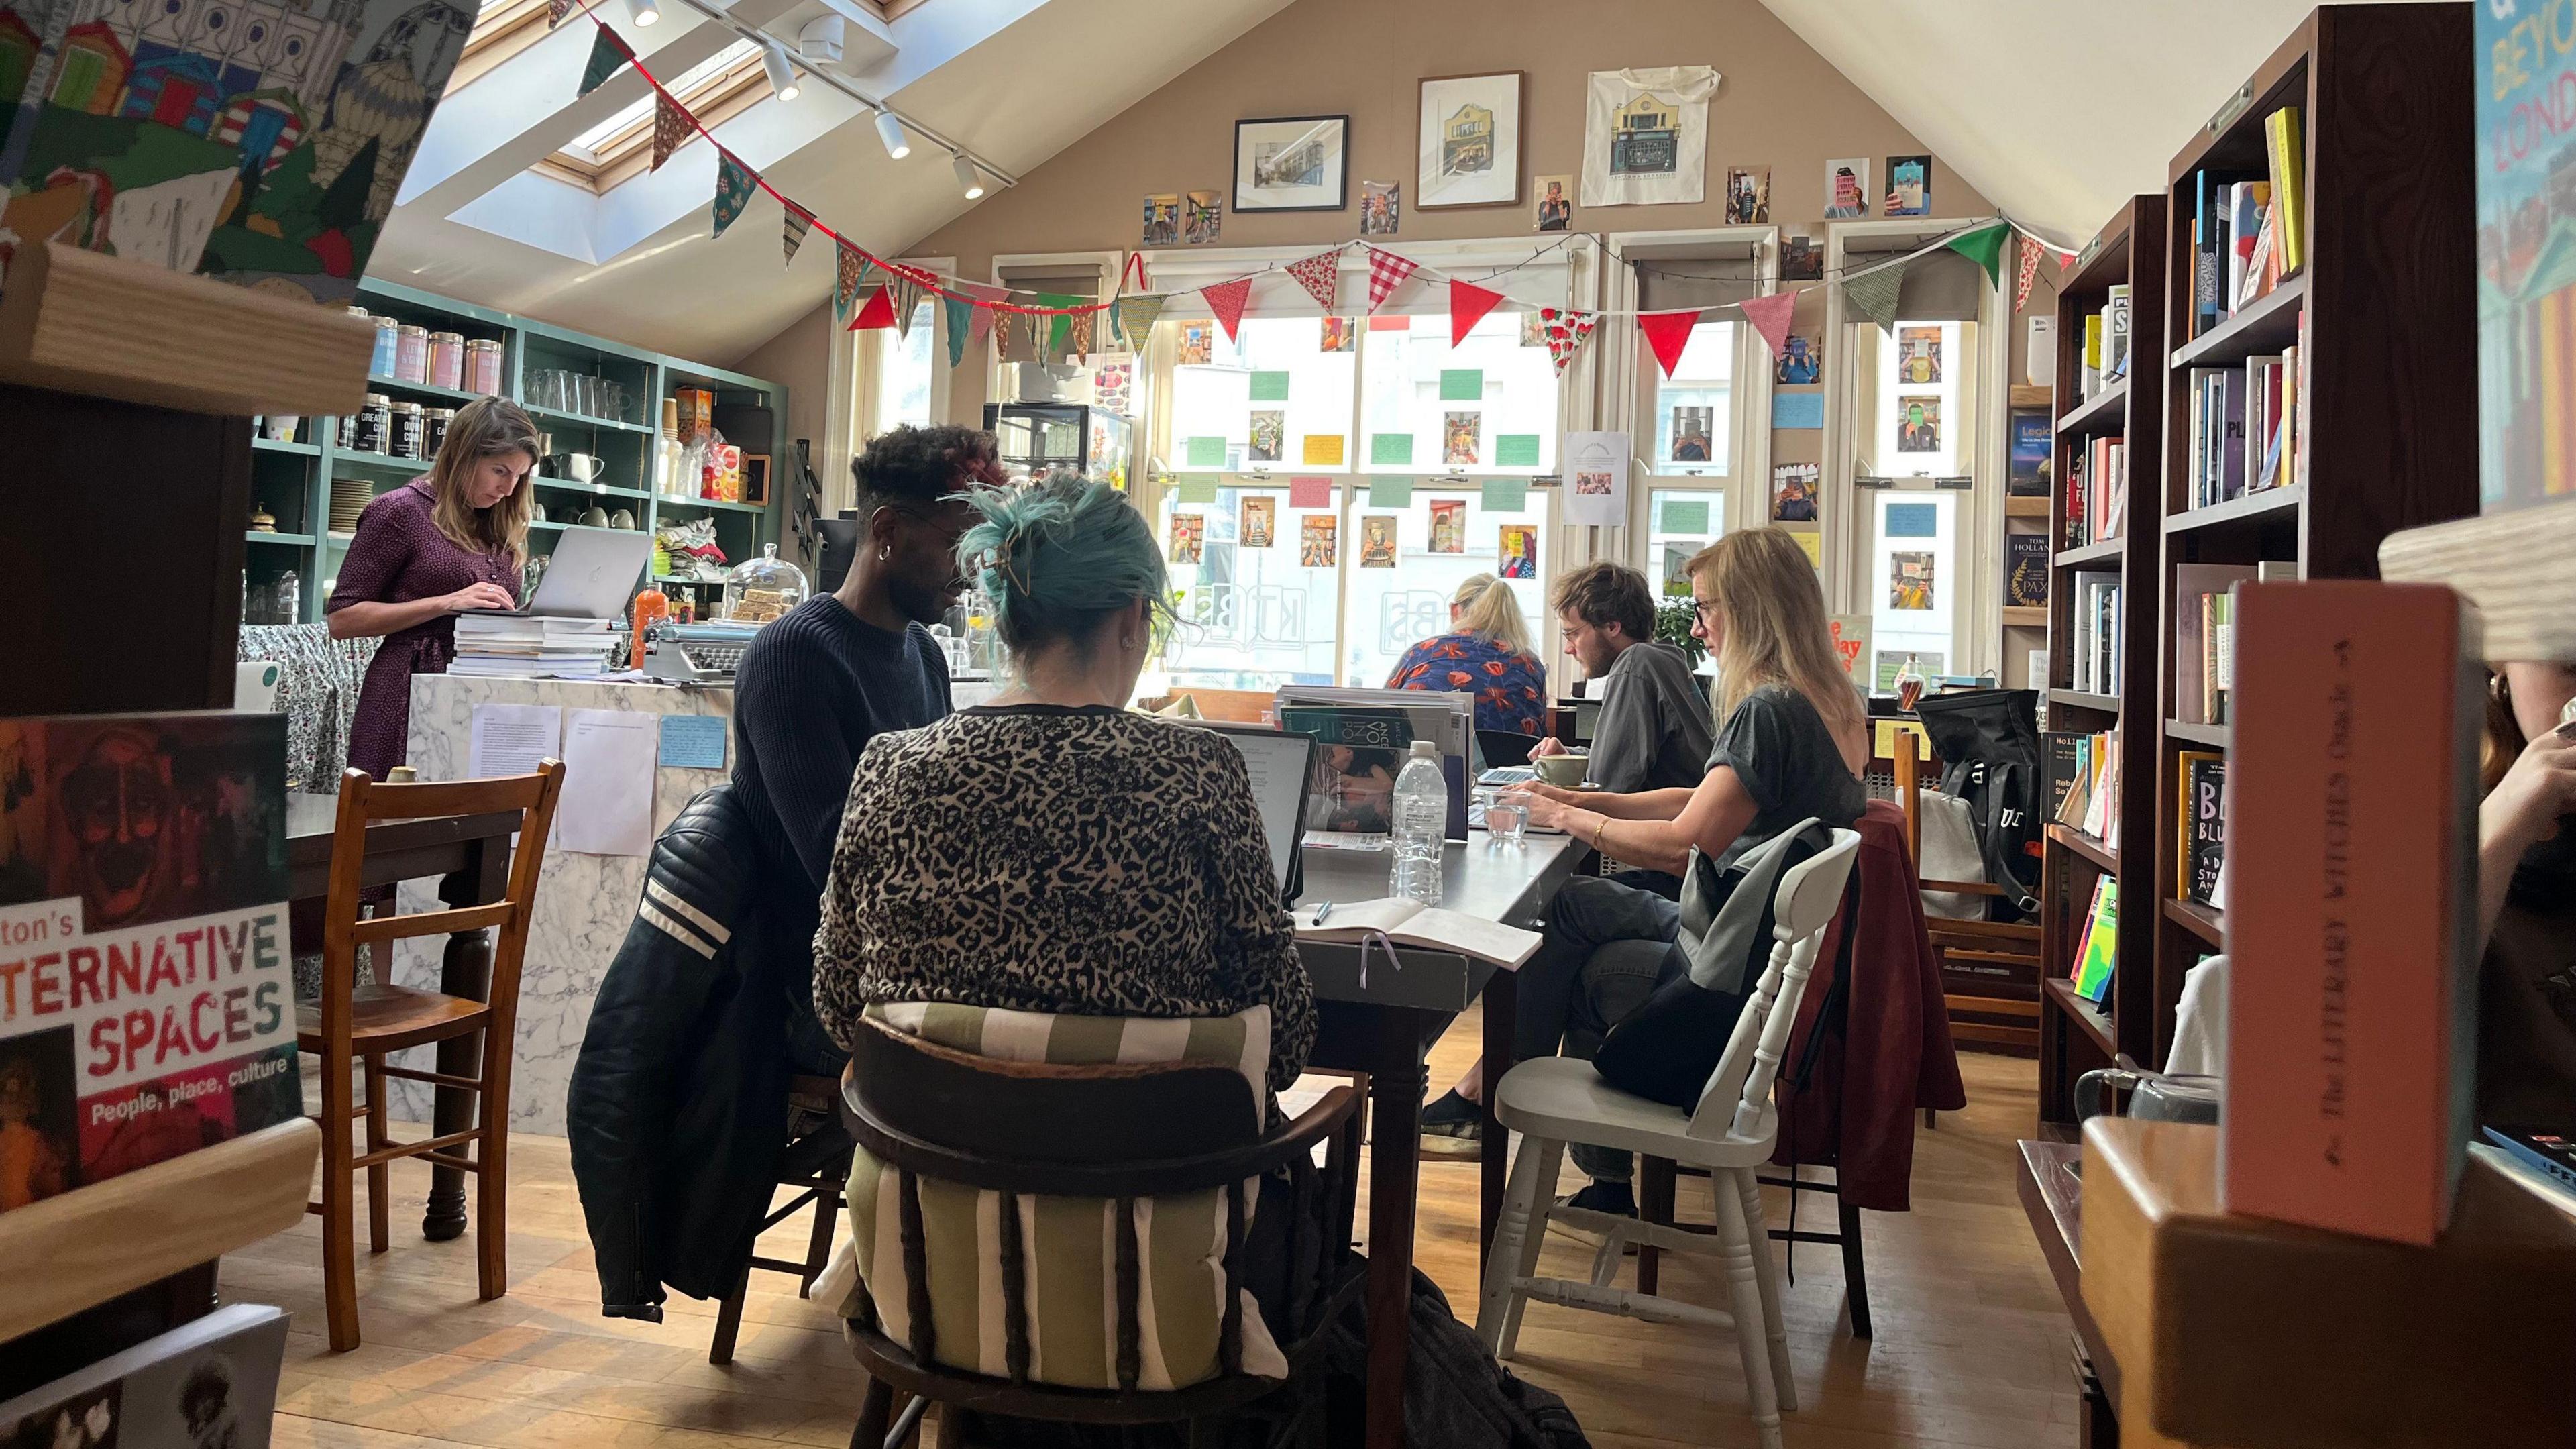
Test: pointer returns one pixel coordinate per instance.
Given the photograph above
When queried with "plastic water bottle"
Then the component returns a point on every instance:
(1421, 819)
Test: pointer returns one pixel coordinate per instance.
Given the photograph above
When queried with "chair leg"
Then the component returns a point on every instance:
(1767, 1273)
(339, 1232)
(380, 1177)
(492, 1172)
(1855, 1279)
(1517, 1239)
(952, 1427)
(818, 1249)
(729, 1321)
(876, 1413)
(1654, 1205)
(1744, 1288)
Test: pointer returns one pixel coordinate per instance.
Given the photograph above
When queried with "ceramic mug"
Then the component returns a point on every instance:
(595, 518)
(1563, 771)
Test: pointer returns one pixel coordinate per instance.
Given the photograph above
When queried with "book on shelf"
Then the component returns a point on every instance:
(2246, 201)
(2025, 570)
(2200, 825)
(2285, 151)
(2065, 758)
(2200, 593)
(2354, 780)
(2299, 431)
(2097, 959)
(2078, 470)
(210, 1383)
(2217, 468)
(2102, 808)
(147, 1006)
(2115, 333)
(2248, 233)
(2033, 440)
(2095, 636)
(2091, 379)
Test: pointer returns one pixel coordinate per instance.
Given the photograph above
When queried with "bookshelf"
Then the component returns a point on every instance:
(2382, 311)
(2076, 1036)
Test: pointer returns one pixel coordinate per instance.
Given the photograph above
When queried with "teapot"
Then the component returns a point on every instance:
(2153, 1096)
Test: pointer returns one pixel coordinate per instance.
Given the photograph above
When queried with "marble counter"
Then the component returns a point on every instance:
(584, 902)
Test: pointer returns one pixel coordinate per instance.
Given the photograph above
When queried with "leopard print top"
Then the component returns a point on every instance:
(1044, 858)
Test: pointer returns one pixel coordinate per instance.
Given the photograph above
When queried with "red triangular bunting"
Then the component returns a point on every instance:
(1468, 305)
(1226, 300)
(1668, 333)
(1769, 316)
(1321, 276)
(878, 312)
(670, 127)
(1387, 272)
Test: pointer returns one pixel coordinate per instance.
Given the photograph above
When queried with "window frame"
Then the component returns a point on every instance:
(870, 350)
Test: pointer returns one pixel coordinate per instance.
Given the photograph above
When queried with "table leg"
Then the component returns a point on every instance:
(1501, 1002)
(466, 970)
(1395, 1147)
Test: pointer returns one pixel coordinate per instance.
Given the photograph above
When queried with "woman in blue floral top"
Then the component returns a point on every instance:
(1487, 654)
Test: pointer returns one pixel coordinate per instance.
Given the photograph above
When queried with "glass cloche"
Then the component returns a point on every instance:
(761, 589)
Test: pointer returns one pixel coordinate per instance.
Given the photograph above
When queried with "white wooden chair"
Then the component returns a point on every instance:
(1556, 1101)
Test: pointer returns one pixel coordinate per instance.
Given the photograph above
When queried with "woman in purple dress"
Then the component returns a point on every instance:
(450, 540)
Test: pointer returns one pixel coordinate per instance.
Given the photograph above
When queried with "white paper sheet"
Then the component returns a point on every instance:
(607, 805)
(1595, 467)
(509, 739)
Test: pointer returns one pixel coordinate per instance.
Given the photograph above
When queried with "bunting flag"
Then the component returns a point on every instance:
(1985, 247)
(1668, 333)
(852, 274)
(1566, 331)
(1874, 293)
(1083, 332)
(1468, 304)
(1059, 325)
(879, 311)
(2027, 271)
(1387, 271)
(958, 313)
(1770, 317)
(1005, 324)
(981, 325)
(1226, 300)
(608, 56)
(907, 301)
(734, 185)
(556, 10)
(1321, 276)
(1133, 320)
(670, 128)
(798, 223)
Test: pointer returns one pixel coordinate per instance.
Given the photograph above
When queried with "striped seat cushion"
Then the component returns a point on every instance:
(1070, 1243)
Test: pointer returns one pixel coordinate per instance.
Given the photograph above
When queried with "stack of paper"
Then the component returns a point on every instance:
(514, 644)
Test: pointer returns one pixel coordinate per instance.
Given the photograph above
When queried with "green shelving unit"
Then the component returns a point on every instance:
(292, 480)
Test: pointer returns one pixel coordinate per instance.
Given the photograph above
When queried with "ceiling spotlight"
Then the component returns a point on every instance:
(970, 179)
(647, 12)
(782, 79)
(890, 130)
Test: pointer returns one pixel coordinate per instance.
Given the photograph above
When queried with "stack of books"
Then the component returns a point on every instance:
(2084, 782)
(2248, 234)
(2097, 954)
(2245, 436)
(2106, 345)
(2097, 492)
(2096, 654)
(517, 645)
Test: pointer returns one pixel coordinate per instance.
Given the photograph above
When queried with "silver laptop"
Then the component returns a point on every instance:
(589, 576)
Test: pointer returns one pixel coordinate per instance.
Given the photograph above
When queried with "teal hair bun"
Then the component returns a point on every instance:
(1059, 555)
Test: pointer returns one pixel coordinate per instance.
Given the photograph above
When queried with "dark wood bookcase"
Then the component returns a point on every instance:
(2389, 362)
(2075, 1036)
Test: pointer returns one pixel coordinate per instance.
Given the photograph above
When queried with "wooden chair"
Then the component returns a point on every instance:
(1121, 1132)
(1554, 1102)
(362, 1025)
(817, 1166)
(1990, 969)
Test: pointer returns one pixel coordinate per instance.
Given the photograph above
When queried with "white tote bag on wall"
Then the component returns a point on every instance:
(1645, 136)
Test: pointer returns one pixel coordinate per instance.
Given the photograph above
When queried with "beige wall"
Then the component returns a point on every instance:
(798, 358)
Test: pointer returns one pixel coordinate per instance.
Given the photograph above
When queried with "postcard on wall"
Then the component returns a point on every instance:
(1802, 259)
(1909, 186)
(1469, 140)
(1292, 164)
(1692, 428)
(1449, 525)
(1381, 207)
(1258, 524)
(1909, 580)
(1163, 220)
(1269, 436)
(1645, 135)
(1555, 210)
(1204, 218)
(1846, 188)
(1918, 426)
(1377, 541)
(1189, 537)
(1113, 381)
(1460, 437)
(1338, 334)
(1748, 196)
(1793, 492)
(1198, 343)
(1317, 534)
(1519, 550)
(1595, 477)
(1801, 363)
(1918, 356)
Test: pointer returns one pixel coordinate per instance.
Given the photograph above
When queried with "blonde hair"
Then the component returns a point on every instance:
(487, 427)
(1775, 624)
(1487, 606)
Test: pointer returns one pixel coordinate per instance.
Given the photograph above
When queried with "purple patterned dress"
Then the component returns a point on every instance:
(397, 557)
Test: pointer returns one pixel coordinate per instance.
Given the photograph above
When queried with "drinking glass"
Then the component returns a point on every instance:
(1506, 815)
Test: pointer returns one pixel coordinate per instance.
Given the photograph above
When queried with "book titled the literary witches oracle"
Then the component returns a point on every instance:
(147, 1007)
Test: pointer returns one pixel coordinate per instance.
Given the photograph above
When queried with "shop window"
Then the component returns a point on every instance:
(1918, 430)
(1276, 395)
(902, 371)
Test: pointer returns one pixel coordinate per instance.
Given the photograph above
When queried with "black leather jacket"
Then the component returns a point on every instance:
(677, 1111)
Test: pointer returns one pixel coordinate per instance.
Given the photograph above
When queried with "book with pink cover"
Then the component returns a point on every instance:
(2352, 835)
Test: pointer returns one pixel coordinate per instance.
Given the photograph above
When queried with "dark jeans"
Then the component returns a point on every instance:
(1608, 947)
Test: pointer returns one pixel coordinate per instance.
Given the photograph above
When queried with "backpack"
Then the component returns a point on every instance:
(1990, 741)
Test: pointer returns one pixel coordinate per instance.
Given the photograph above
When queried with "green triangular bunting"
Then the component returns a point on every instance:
(961, 319)
(607, 57)
(1060, 325)
(1985, 247)
(733, 190)
(1874, 294)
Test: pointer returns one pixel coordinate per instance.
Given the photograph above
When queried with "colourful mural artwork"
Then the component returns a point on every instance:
(257, 141)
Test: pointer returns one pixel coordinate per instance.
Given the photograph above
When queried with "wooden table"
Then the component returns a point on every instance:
(1380, 1020)
(2052, 1195)
(470, 855)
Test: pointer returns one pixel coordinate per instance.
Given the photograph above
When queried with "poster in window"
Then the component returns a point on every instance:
(1317, 536)
(1595, 477)
(1381, 207)
(1204, 218)
(1846, 188)
(1909, 580)
(1918, 356)
(1555, 210)
(1460, 435)
(1258, 525)
(1189, 537)
(1519, 550)
(1918, 425)
(1295, 163)
(1269, 434)
(1198, 343)
(1793, 492)
(1163, 220)
(1677, 557)
(1645, 136)
(1909, 186)
(1692, 427)
(1338, 334)
(1449, 525)
(2031, 445)
(1748, 196)
(1377, 541)
(1470, 140)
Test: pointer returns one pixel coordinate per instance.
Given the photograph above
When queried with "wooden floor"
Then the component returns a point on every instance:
(1971, 1344)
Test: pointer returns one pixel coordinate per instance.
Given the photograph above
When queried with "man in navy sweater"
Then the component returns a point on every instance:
(841, 668)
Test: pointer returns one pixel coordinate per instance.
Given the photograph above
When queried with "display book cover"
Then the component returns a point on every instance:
(2200, 825)
(1359, 751)
(210, 1383)
(2351, 814)
(147, 1004)
(2025, 571)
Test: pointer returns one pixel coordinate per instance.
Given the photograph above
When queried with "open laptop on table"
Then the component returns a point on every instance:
(590, 575)
(1282, 769)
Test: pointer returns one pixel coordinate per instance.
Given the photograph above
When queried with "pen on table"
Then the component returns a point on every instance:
(1323, 910)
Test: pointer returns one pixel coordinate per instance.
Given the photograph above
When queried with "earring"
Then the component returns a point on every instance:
(884, 551)
(1126, 641)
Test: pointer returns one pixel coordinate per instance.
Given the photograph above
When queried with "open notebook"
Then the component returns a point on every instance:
(1411, 923)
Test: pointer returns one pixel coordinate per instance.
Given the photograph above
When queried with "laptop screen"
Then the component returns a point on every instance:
(1278, 763)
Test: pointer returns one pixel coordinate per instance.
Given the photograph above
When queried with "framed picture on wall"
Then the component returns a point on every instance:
(1293, 163)
(1470, 140)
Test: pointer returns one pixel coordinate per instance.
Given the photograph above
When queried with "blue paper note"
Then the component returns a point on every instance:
(693, 742)
(1913, 520)
(1797, 410)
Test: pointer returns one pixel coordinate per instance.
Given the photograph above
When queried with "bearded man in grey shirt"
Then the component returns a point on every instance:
(1653, 729)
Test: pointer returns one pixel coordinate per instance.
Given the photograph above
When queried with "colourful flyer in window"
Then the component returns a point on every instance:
(1323, 450)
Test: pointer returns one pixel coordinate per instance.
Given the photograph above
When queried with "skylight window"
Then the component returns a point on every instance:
(587, 146)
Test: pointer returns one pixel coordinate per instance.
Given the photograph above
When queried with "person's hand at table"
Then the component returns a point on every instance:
(1549, 807)
(1545, 791)
(1547, 745)
(479, 596)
